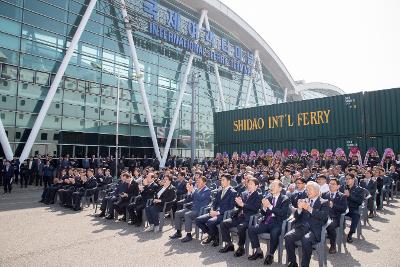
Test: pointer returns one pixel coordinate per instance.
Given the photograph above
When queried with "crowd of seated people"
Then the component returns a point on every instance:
(254, 194)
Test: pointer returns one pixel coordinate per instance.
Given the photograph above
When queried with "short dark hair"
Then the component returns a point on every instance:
(351, 175)
(321, 176)
(169, 176)
(90, 170)
(227, 176)
(254, 180)
(335, 180)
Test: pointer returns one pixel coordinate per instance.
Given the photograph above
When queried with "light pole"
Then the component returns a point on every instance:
(117, 75)
(195, 79)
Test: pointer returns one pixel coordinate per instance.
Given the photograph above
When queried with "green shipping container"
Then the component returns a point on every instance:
(382, 111)
(323, 118)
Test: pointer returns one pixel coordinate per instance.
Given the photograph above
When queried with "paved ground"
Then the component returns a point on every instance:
(32, 234)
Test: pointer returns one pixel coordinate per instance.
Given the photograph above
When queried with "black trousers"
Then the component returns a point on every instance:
(241, 225)
(307, 239)
(136, 210)
(51, 194)
(7, 185)
(25, 179)
(274, 229)
(331, 230)
(76, 200)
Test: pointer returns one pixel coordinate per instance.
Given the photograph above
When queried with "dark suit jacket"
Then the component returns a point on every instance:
(371, 186)
(339, 204)
(296, 196)
(149, 191)
(280, 210)
(226, 203)
(8, 173)
(355, 199)
(168, 195)
(252, 204)
(180, 188)
(199, 198)
(313, 221)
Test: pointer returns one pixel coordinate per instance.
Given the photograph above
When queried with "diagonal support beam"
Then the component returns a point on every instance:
(216, 71)
(259, 67)
(181, 93)
(56, 82)
(140, 80)
(250, 85)
(5, 144)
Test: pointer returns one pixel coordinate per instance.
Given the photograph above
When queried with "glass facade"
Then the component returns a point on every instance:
(34, 35)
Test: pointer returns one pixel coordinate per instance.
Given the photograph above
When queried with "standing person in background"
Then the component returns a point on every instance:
(8, 173)
(15, 164)
(47, 175)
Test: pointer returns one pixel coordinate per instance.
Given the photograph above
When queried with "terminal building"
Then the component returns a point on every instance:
(51, 103)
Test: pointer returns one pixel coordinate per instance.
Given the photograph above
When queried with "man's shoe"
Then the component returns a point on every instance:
(293, 264)
(256, 255)
(371, 215)
(156, 229)
(269, 260)
(176, 235)
(349, 239)
(332, 249)
(109, 217)
(215, 242)
(149, 229)
(226, 249)
(102, 214)
(239, 252)
(187, 238)
(123, 219)
(208, 240)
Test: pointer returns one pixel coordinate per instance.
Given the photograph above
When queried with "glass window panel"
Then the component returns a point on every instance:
(92, 113)
(9, 72)
(55, 109)
(9, 41)
(92, 100)
(10, 11)
(25, 120)
(70, 83)
(94, 88)
(42, 78)
(107, 115)
(29, 105)
(44, 23)
(91, 126)
(73, 124)
(74, 97)
(8, 56)
(41, 36)
(73, 111)
(45, 9)
(8, 87)
(7, 102)
(7, 118)
(26, 75)
(52, 122)
(42, 50)
(39, 63)
(107, 127)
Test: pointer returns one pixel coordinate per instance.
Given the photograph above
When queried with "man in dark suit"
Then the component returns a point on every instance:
(167, 193)
(337, 206)
(299, 193)
(107, 204)
(309, 218)
(248, 205)
(369, 184)
(355, 197)
(147, 189)
(275, 209)
(224, 201)
(89, 184)
(198, 198)
(8, 173)
(132, 190)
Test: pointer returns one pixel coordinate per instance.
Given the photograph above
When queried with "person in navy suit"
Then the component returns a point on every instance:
(299, 193)
(198, 197)
(369, 184)
(337, 206)
(248, 205)
(224, 201)
(8, 173)
(108, 202)
(309, 218)
(275, 209)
